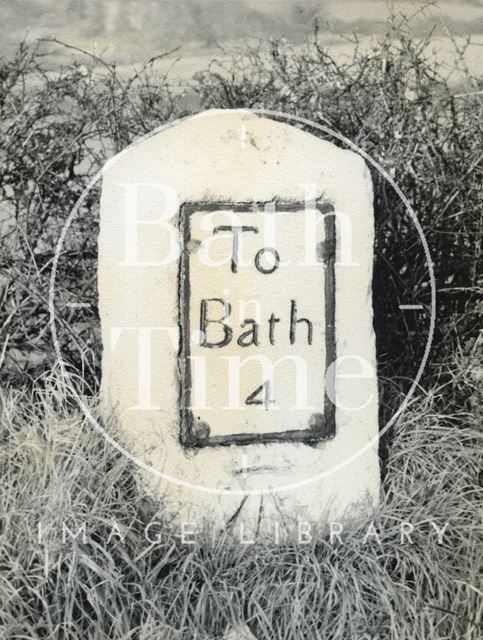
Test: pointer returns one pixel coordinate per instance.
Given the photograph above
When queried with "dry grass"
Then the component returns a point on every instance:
(56, 469)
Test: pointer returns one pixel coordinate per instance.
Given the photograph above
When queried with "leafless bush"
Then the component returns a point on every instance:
(60, 124)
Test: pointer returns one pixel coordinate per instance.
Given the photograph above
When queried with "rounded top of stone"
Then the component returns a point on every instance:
(239, 154)
(244, 127)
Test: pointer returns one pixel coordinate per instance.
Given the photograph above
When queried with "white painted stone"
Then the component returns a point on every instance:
(206, 159)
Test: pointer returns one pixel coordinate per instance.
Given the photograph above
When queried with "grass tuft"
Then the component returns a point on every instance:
(58, 471)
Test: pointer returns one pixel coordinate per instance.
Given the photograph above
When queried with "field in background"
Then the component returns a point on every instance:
(58, 127)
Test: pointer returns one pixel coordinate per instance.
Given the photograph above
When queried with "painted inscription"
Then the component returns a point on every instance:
(257, 305)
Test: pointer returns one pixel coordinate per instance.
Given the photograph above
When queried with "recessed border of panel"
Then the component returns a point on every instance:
(196, 434)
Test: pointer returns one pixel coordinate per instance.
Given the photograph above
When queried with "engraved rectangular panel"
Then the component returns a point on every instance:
(257, 301)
